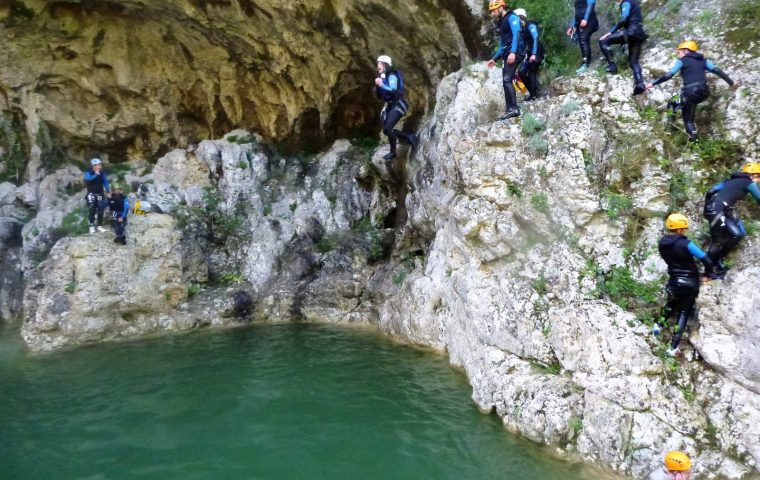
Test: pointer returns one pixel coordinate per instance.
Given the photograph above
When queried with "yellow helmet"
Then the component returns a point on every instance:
(752, 167)
(689, 45)
(494, 4)
(676, 221)
(676, 461)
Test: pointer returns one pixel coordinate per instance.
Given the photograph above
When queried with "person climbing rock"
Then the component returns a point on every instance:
(119, 205)
(629, 30)
(534, 55)
(96, 181)
(684, 278)
(389, 86)
(726, 230)
(584, 26)
(510, 36)
(677, 466)
(692, 65)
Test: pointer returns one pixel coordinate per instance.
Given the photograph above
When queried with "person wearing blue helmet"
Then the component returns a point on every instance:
(96, 181)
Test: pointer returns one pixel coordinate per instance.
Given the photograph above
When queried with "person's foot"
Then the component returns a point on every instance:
(582, 69)
(412, 140)
(611, 68)
(389, 155)
(511, 113)
(656, 330)
(102, 229)
(92, 228)
(673, 352)
(639, 88)
(718, 275)
(530, 98)
(116, 240)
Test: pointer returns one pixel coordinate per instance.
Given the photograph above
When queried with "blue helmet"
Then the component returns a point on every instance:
(95, 161)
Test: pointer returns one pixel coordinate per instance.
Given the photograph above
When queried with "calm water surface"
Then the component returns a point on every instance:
(275, 402)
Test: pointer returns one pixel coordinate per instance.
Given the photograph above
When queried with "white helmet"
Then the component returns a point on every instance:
(520, 12)
(95, 161)
(385, 59)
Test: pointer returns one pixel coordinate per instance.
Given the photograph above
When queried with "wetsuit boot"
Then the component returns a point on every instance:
(638, 82)
(611, 67)
(691, 131)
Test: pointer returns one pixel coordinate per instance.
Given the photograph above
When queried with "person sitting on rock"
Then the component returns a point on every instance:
(389, 86)
(510, 36)
(119, 205)
(726, 230)
(677, 467)
(585, 25)
(629, 30)
(684, 279)
(96, 181)
(534, 54)
(695, 90)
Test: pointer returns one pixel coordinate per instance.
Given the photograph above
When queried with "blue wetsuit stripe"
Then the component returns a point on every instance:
(589, 6)
(696, 251)
(392, 84)
(514, 24)
(534, 33)
(754, 190)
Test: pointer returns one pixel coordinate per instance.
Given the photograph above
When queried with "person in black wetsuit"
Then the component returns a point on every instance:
(389, 87)
(510, 34)
(684, 278)
(695, 90)
(534, 54)
(629, 30)
(726, 230)
(96, 181)
(584, 26)
(119, 205)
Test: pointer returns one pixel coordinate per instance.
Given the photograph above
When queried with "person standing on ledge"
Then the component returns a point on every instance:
(585, 25)
(119, 205)
(96, 181)
(629, 30)
(692, 66)
(677, 467)
(683, 283)
(534, 54)
(389, 86)
(726, 230)
(510, 34)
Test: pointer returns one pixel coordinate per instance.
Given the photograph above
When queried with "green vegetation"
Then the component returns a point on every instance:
(214, 225)
(403, 270)
(241, 140)
(569, 107)
(553, 368)
(540, 202)
(74, 223)
(230, 278)
(12, 142)
(54, 151)
(326, 244)
(575, 424)
(532, 124)
(18, 13)
(618, 205)
(538, 145)
(194, 289)
(70, 288)
(514, 189)
(620, 286)
(370, 233)
(742, 20)
(540, 285)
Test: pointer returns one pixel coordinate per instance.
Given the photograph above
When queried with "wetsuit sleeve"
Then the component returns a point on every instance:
(125, 208)
(534, 33)
(589, 6)
(106, 186)
(392, 84)
(696, 251)
(89, 176)
(625, 11)
(514, 25)
(710, 67)
(500, 51)
(673, 71)
(754, 190)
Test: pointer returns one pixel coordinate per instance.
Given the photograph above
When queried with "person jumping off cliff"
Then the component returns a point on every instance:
(726, 230)
(677, 466)
(692, 66)
(96, 181)
(119, 205)
(510, 34)
(684, 278)
(585, 25)
(629, 30)
(389, 86)
(534, 54)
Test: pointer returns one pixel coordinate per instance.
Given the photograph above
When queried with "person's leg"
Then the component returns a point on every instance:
(392, 117)
(688, 297)
(533, 78)
(92, 208)
(584, 40)
(634, 52)
(617, 38)
(510, 96)
(735, 230)
(667, 311)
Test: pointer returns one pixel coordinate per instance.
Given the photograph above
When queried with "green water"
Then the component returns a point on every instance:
(277, 402)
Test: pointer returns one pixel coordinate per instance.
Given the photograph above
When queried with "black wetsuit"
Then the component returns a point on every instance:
(532, 45)
(585, 10)
(119, 205)
(510, 39)
(629, 30)
(683, 284)
(97, 186)
(695, 90)
(726, 230)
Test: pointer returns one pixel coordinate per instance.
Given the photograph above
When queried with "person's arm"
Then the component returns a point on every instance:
(106, 186)
(754, 190)
(673, 71)
(710, 67)
(514, 25)
(625, 11)
(125, 209)
(89, 176)
(589, 6)
(534, 33)
(701, 256)
(392, 84)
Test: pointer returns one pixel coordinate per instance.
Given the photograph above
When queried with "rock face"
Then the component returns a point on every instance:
(138, 78)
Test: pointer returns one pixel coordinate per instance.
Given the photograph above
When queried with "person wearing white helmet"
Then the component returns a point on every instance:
(389, 87)
(534, 54)
(510, 36)
(96, 181)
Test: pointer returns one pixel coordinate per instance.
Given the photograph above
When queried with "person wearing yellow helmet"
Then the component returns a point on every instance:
(677, 466)
(679, 252)
(389, 87)
(726, 229)
(628, 31)
(510, 35)
(692, 65)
